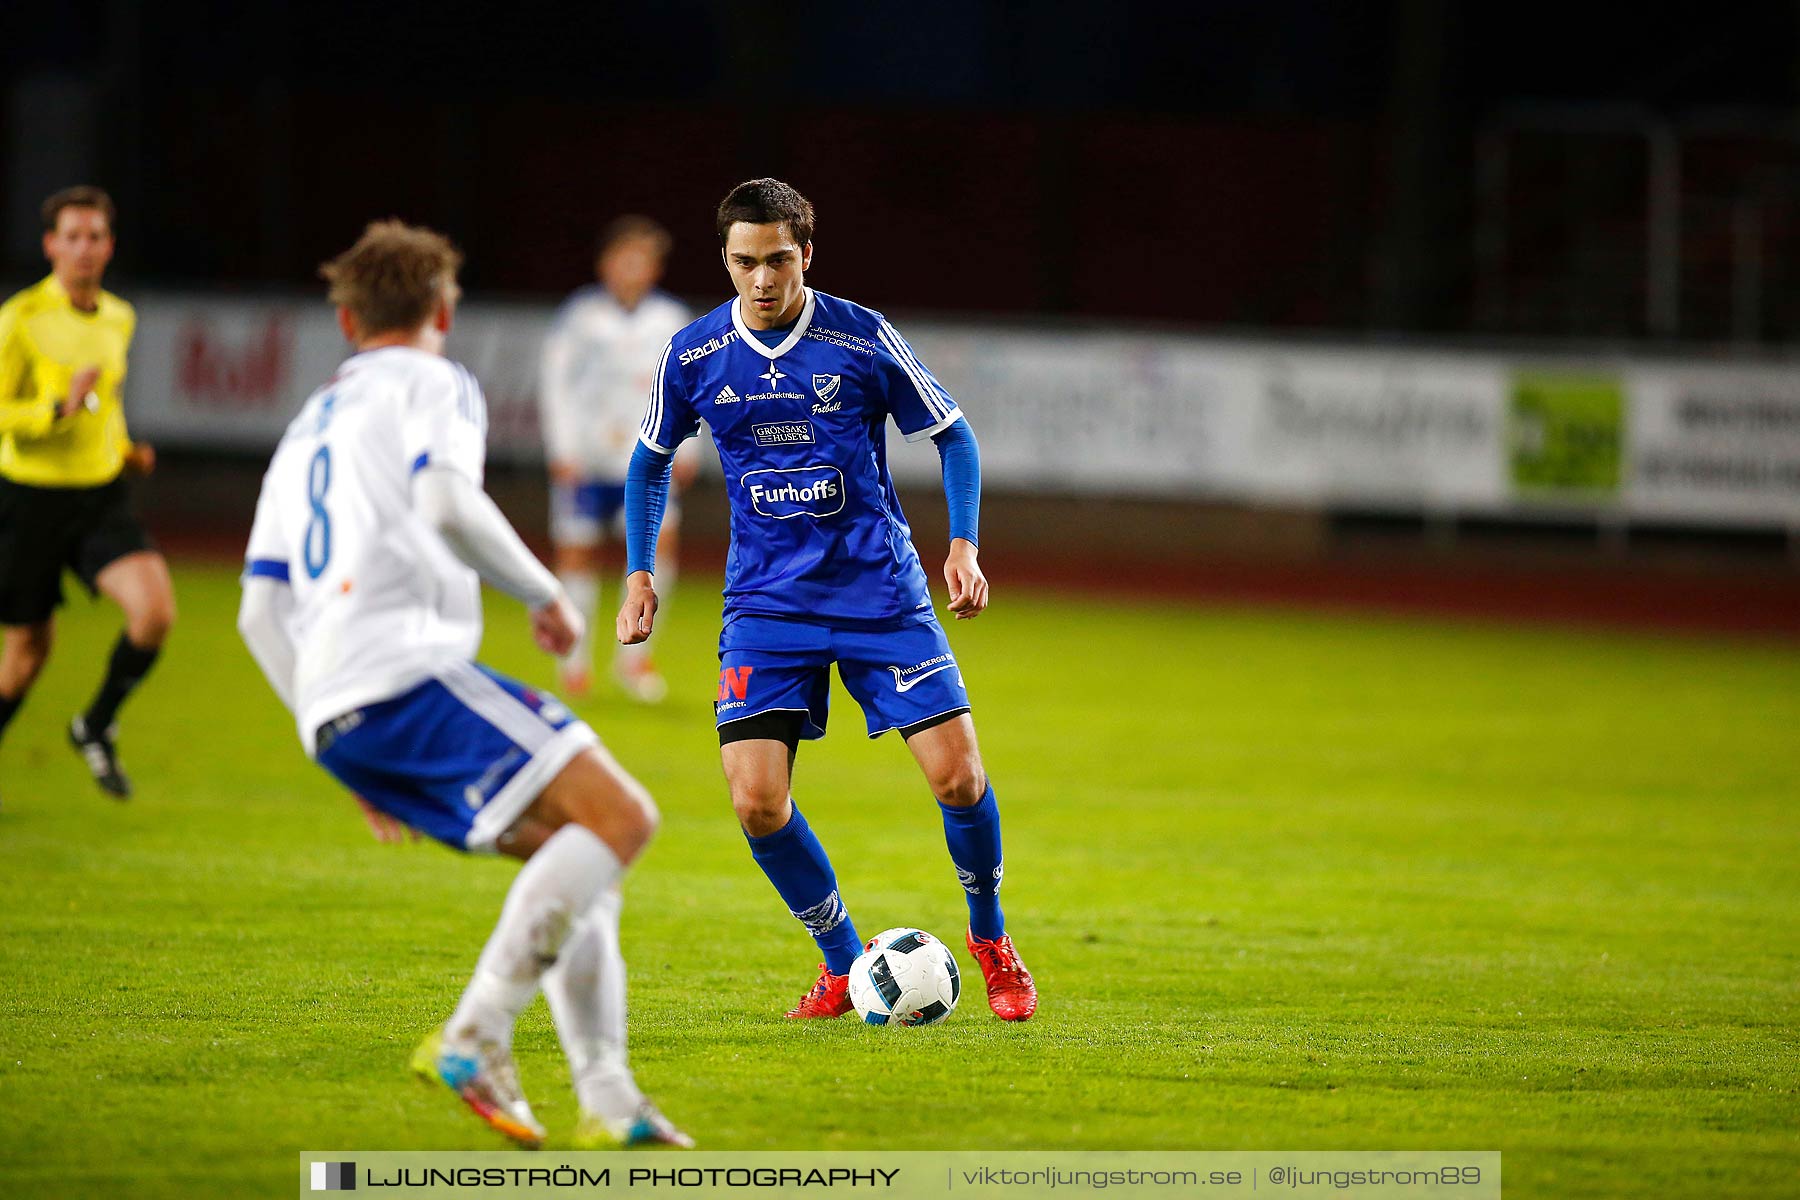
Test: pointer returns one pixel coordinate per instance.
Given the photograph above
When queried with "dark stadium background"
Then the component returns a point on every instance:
(1395, 173)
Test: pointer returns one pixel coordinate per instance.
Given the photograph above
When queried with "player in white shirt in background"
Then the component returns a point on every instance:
(596, 370)
(362, 605)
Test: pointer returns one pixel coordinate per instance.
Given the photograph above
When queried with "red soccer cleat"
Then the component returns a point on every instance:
(830, 997)
(1011, 993)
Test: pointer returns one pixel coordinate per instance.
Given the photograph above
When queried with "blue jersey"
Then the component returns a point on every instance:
(816, 526)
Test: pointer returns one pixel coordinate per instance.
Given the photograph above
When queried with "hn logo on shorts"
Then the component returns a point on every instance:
(734, 683)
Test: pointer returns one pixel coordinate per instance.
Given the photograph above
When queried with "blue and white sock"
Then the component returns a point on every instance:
(973, 835)
(796, 864)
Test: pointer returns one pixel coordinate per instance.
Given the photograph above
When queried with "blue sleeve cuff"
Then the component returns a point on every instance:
(961, 458)
(266, 568)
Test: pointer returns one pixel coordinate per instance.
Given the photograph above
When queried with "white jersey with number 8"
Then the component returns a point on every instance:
(380, 603)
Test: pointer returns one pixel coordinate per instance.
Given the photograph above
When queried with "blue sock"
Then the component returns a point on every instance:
(973, 835)
(796, 864)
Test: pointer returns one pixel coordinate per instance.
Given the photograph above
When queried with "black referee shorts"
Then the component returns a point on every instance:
(43, 530)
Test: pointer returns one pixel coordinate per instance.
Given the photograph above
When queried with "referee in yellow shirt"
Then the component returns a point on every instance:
(63, 448)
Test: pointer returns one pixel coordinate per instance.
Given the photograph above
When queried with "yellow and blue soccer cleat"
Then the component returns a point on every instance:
(484, 1076)
(644, 1128)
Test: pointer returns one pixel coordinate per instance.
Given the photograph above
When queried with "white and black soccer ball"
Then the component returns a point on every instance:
(904, 977)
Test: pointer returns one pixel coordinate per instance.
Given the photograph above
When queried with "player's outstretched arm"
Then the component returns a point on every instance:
(479, 534)
(961, 458)
(262, 622)
(646, 497)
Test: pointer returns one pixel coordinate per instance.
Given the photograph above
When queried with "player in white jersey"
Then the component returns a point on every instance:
(595, 371)
(362, 606)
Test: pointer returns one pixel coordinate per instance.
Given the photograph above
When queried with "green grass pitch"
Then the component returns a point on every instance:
(1286, 881)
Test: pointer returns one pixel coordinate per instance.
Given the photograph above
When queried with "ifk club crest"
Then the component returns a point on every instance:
(827, 385)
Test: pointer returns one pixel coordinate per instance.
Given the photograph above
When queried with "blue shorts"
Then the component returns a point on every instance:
(579, 512)
(900, 676)
(460, 757)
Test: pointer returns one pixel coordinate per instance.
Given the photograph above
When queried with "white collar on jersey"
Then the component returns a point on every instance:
(749, 338)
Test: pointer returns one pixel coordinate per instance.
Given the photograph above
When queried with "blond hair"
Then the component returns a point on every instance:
(395, 276)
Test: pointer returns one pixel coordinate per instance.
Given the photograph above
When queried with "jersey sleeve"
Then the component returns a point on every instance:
(25, 410)
(669, 420)
(917, 401)
(688, 453)
(15, 358)
(130, 323)
(267, 554)
(446, 423)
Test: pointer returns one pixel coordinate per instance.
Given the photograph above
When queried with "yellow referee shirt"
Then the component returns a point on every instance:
(44, 342)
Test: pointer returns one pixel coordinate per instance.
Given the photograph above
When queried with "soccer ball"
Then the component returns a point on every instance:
(904, 977)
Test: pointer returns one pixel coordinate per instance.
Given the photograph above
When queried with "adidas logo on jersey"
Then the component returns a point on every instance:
(726, 396)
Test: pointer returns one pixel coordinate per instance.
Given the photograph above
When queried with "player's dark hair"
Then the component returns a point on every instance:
(633, 227)
(395, 276)
(766, 202)
(82, 195)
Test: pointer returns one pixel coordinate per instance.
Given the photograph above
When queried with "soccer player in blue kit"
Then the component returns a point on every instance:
(798, 387)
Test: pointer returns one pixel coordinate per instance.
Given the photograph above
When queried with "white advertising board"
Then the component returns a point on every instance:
(1136, 414)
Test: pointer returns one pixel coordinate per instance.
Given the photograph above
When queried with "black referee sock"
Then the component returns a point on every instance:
(127, 669)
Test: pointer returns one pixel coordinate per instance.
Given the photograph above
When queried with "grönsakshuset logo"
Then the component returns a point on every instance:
(783, 433)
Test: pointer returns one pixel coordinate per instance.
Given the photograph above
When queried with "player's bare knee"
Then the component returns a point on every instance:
(149, 627)
(961, 784)
(761, 808)
(24, 661)
(626, 829)
(593, 791)
(747, 803)
(17, 676)
(29, 641)
(642, 814)
(22, 658)
(627, 818)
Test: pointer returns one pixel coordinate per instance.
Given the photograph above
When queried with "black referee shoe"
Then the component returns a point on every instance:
(97, 750)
